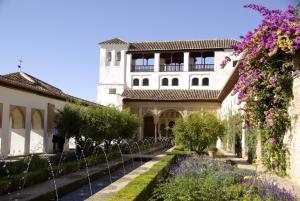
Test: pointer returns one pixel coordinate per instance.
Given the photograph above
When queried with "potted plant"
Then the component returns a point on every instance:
(212, 152)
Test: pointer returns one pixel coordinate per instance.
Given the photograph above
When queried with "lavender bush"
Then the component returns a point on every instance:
(202, 178)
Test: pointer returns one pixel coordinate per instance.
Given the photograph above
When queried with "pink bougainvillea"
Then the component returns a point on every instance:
(265, 76)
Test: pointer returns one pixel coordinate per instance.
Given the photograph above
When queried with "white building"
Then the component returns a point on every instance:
(164, 80)
(28, 107)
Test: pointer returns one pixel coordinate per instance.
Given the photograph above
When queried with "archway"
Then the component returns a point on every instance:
(37, 132)
(17, 130)
(149, 127)
(167, 121)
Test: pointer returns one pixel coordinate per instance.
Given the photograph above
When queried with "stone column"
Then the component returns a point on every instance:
(259, 152)
(156, 62)
(155, 127)
(6, 135)
(27, 129)
(141, 123)
(128, 69)
(244, 144)
(46, 136)
(186, 59)
(113, 57)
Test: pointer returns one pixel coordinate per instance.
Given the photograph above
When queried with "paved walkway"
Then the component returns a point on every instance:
(282, 182)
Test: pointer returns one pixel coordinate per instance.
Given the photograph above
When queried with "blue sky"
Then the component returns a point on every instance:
(58, 39)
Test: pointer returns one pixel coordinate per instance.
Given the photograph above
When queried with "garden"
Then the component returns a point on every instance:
(264, 90)
(102, 134)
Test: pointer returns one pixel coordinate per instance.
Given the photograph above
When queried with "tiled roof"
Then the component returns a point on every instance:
(182, 45)
(229, 85)
(117, 41)
(26, 82)
(171, 95)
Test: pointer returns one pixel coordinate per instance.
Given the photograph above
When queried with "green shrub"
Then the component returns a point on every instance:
(198, 131)
(140, 188)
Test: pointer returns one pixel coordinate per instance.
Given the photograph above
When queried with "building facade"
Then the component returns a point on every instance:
(161, 81)
(28, 107)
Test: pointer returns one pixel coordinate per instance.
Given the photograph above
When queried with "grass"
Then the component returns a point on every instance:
(141, 188)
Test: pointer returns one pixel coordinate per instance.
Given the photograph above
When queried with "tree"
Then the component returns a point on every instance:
(128, 124)
(198, 131)
(70, 122)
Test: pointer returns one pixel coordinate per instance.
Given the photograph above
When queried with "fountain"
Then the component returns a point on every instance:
(108, 169)
(130, 152)
(121, 158)
(139, 151)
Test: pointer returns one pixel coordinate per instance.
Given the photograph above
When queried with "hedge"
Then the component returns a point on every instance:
(141, 188)
(15, 182)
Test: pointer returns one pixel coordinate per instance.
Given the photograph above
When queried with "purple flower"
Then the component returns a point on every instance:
(272, 80)
(272, 140)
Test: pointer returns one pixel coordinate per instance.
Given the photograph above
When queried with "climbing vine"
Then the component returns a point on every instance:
(266, 75)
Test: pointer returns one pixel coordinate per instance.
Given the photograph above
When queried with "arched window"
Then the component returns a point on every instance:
(195, 81)
(37, 120)
(145, 82)
(108, 56)
(18, 120)
(205, 81)
(118, 56)
(175, 82)
(165, 82)
(136, 82)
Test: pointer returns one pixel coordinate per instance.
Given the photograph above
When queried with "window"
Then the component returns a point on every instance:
(136, 82)
(145, 82)
(205, 81)
(195, 81)
(175, 82)
(108, 57)
(118, 56)
(112, 91)
(165, 82)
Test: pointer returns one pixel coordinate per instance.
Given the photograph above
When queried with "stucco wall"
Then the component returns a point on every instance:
(293, 137)
(36, 141)
(16, 138)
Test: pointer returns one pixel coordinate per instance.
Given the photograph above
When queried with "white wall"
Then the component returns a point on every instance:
(17, 138)
(36, 141)
(120, 76)
(111, 75)
(17, 143)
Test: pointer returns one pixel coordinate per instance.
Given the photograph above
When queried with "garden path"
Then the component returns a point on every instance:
(282, 182)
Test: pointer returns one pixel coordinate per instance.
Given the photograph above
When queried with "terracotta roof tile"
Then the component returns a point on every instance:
(182, 45)
(171, 95)
(113, 41)
(26, 82)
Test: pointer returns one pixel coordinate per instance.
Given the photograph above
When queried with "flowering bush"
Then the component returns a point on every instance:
(202, 178)
(266, 74)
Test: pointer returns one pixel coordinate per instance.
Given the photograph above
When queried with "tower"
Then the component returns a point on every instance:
(112, 73)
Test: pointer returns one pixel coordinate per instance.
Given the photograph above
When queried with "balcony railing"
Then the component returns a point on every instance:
(171, 68)
(202, 67)
(142, 68)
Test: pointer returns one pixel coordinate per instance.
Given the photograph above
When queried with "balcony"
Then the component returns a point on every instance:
(142, 68)
(202, 67)
(171, 68)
